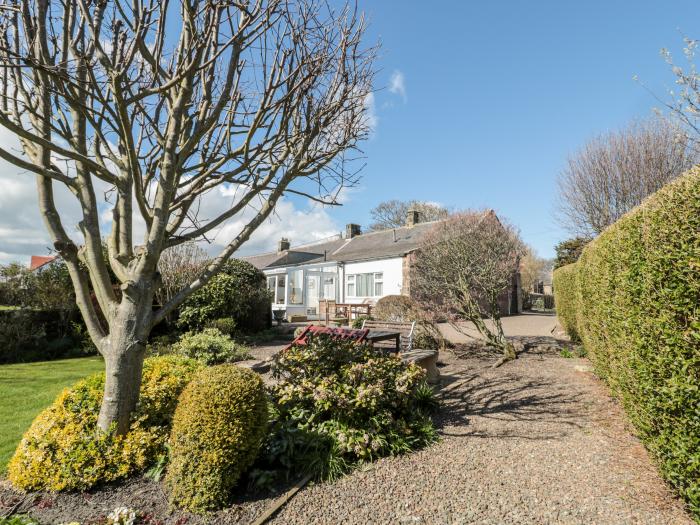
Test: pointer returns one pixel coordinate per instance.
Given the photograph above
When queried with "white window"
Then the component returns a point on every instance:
(280, 289)
(365, 285)
(328, 287)
(296, 283)
(351, 286)
(378, 284)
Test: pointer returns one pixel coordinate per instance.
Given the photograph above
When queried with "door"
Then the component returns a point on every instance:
(313, 283)
(329, 287)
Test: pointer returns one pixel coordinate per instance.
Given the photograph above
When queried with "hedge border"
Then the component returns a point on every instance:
(634, 299)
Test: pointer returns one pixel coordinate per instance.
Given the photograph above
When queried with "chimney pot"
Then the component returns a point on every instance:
(412, 217)
(283, 245)
(352, 230)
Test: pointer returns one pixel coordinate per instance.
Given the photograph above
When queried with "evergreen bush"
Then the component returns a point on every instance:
(63, 450)
(636, 297)
(211, 347)
(239, 292)
(219, 425)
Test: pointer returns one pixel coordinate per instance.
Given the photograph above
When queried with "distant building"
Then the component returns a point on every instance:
(353, 268)
(39, 261)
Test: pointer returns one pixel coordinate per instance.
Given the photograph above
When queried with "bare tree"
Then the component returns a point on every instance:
(684, 105)
(392, 214)
(157, 103)
(464, 270)
(613, 173)
(531, 267)
(179, 265)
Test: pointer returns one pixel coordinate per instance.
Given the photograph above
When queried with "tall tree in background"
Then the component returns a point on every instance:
(392, 214)
(178, 266)
(569, 251)
(156, 103)
(464, 270)
(613, 173)
(531, 267)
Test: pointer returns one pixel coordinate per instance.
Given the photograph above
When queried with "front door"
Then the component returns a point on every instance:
(313, 283)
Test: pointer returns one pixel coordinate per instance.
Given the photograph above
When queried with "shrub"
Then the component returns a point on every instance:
(219, 424)
(298, 331)
(211, 347)
(564, 281)
(225, 325)
(40, 335)
(403, 309)
(357, 323)
(239, 291)
(62, 449)
(425, 340)
(637, 303)
(399, 308)
(362, 403)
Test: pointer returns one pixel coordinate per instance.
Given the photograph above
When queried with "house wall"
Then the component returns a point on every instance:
(392, 270)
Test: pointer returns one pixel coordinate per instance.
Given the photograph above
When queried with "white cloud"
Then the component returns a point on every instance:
(290, 219)
(371, 118)
(22, 231)
(397, 85)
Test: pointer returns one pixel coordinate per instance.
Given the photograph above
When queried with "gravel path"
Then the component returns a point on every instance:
(535, 441)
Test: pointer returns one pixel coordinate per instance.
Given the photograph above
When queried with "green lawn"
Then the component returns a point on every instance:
(27, 388)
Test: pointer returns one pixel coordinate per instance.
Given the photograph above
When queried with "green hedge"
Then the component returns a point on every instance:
(636, 294)
(564, 281)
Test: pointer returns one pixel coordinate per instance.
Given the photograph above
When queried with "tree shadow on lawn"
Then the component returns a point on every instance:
(507, 405)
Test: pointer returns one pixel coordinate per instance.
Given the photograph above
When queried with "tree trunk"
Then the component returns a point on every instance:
(124, 352)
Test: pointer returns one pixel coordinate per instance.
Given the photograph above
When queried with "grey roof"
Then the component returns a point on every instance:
(375, 245)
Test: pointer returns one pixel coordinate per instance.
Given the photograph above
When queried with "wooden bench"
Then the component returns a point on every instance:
(424, 358)
(334, 333)
(404, 329)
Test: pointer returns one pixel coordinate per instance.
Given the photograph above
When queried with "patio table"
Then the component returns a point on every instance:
(385, 335)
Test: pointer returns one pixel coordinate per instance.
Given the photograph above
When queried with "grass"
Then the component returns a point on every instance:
(27, 388)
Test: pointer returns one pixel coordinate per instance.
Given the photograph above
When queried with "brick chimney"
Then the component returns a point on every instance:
(283, 245)
(352, 230)
(412, 218)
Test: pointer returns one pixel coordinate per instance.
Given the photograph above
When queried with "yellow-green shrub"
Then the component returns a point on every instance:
(637, 298)
(219, 425)
(565, 299)
(62, 450)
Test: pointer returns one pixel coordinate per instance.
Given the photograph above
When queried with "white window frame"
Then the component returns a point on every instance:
(351, 284)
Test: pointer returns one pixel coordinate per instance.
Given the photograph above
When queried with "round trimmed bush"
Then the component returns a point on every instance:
(400, 308)
(62, 449)
(219, 425)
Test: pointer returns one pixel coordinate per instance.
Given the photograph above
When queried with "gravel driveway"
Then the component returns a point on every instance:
(535, 441)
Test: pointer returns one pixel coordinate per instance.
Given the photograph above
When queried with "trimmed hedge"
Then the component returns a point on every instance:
(219, 425)
(636, 293)
(564, 281)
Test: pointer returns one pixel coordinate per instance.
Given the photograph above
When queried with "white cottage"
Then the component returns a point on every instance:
(351, 268)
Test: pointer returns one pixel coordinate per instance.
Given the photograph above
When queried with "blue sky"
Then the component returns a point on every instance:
(497, 94)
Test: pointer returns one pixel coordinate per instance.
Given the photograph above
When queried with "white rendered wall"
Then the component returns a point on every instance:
(392, 270)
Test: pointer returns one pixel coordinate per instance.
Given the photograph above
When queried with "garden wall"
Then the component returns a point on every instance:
(634, 299)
